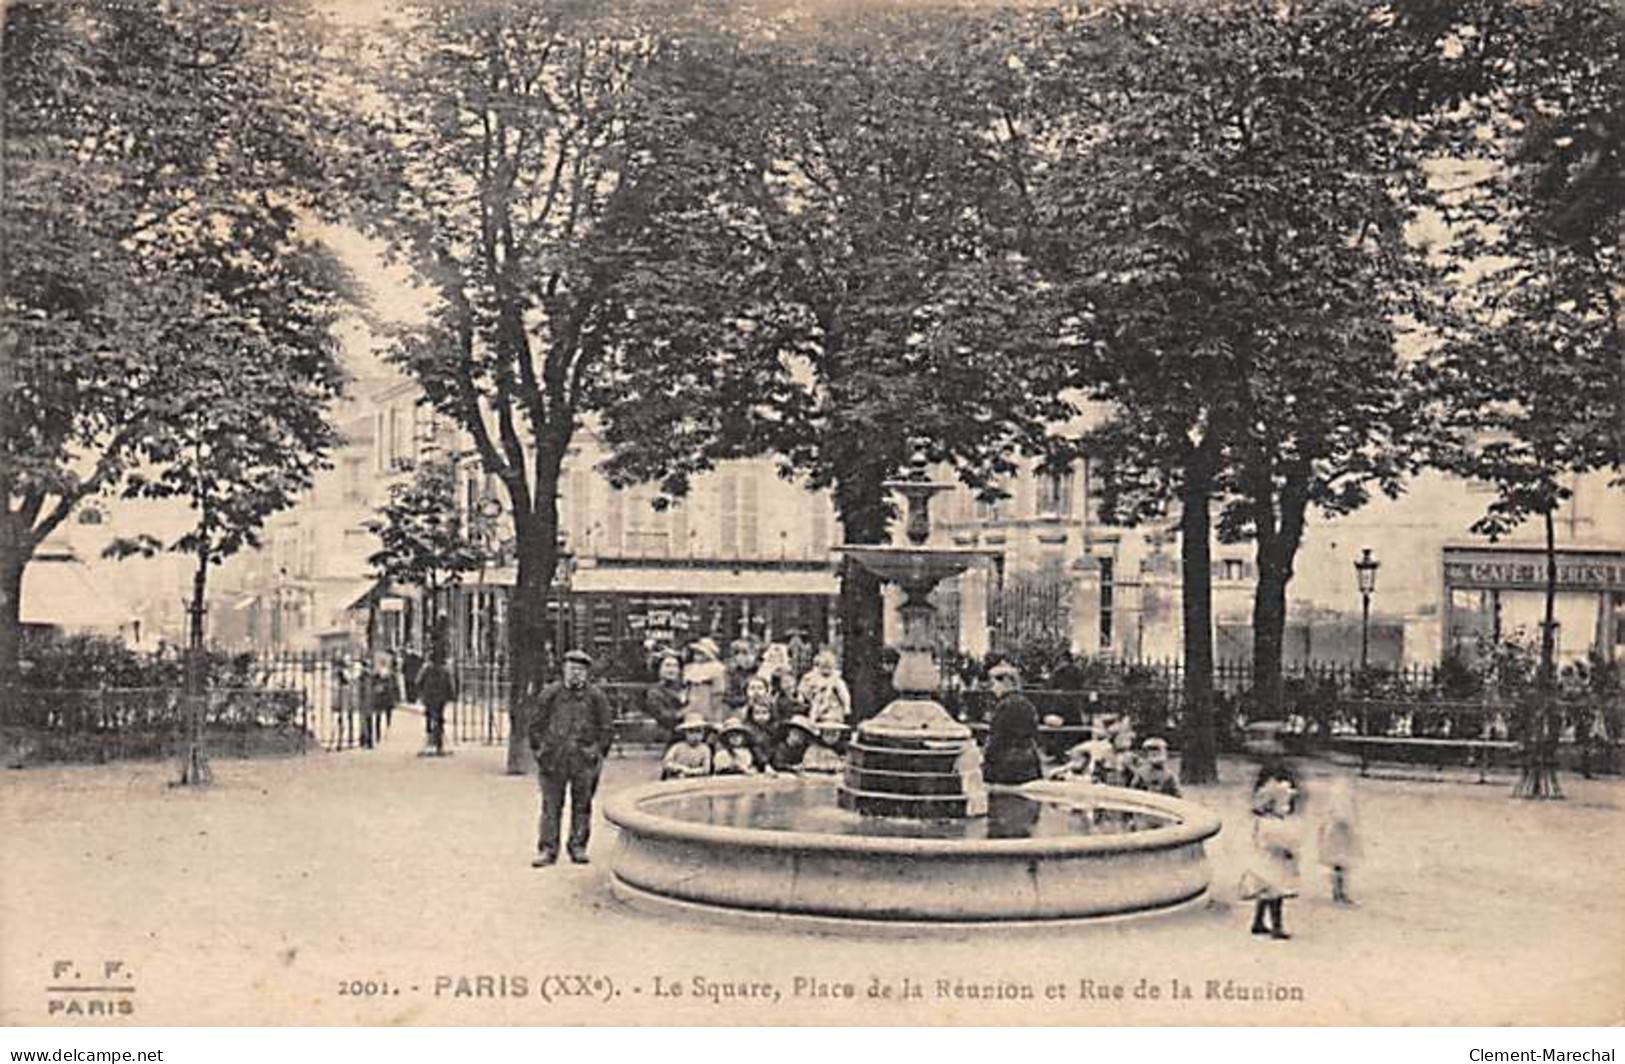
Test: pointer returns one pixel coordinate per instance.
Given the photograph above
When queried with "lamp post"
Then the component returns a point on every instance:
(1365, 575)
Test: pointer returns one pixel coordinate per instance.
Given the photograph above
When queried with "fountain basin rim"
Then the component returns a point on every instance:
(1194, 823)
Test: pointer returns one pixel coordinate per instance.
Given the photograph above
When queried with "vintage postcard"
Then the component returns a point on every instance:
(811, 512)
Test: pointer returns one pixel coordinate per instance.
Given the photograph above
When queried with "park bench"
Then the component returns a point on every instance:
(1479, 753)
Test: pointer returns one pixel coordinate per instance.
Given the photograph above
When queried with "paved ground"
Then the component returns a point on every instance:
(291, 884)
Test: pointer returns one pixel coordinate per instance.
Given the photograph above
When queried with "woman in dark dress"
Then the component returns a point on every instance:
(1012, 734)
(666, 700)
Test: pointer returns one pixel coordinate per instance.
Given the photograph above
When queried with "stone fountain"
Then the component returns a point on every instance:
(900, 839)
(907, 759)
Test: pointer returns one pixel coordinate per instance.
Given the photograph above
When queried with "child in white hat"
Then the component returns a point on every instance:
(690, 755)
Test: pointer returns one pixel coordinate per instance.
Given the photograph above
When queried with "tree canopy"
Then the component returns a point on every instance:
(145, 148)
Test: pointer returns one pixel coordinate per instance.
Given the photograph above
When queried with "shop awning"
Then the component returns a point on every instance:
(59, 589)
(679, 580)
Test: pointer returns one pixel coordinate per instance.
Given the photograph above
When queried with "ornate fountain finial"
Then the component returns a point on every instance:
(917, 488)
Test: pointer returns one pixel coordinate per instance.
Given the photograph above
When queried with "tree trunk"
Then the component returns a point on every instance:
(864, 520)
(1275, 556)
(1269, 632)
(1199, 763)
(536, 543)
(1548, 633)
(863, 626)
(1543, 719)
(13, 560)
(195, 771)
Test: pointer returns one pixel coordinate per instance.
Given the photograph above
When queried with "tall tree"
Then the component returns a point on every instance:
(1532, 387)
(843, 208)
(491, 153)
(244, 426)
(134, 136)
(1233, 184)
(424, 540)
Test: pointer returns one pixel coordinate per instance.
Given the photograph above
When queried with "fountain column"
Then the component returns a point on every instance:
(905, 761)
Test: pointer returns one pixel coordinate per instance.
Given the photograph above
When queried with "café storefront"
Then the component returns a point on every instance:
(1498, 592)
(617, 610)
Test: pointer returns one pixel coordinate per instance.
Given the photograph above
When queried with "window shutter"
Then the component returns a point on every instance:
(728, 516)
(750, 523)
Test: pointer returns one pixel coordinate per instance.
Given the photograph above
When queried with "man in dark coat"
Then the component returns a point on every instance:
(436, 688)
(1012, 733)
(572, 726)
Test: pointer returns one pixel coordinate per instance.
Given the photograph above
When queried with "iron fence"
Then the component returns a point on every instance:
(113, 723)
(337, 701)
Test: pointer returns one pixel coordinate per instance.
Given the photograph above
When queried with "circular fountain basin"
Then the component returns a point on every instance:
(1045, 851)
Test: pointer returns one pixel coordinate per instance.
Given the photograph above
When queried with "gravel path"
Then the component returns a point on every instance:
(291, 884)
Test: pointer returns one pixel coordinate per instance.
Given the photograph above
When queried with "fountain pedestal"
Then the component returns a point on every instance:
(907, 760)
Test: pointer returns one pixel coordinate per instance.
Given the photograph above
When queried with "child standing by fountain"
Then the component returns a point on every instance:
(1338, 840)
(823, 692)
(1277, 840)
(690, 755)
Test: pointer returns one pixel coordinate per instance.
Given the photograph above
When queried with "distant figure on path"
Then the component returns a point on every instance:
(435, 689)
(572, 726)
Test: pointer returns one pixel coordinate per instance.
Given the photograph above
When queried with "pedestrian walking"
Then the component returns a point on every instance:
(572, 726)
(1337, 842)
(435, 689)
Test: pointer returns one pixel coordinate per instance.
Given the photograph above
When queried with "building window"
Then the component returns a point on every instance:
(355, 487)
(614, 524)
(728, 516)
(1108, 592)
(750, 517)
(818, 535)
(1234, 569)
(647, 529)
(1055, 494)
(991, 509)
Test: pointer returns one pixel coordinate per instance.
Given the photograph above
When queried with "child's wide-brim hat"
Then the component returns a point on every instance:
(694, 722)
(801, 723)
(733, 726)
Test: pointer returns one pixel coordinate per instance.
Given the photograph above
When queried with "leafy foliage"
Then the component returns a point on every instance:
(148, 149)
(421, 529)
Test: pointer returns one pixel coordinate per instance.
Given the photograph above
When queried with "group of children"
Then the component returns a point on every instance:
(756, 744)
(1279, 821)
(1109, 757)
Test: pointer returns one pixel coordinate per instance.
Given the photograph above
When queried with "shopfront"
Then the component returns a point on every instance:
(1498, 592)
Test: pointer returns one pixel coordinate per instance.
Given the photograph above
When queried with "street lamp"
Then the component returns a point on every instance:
(1365, 575)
